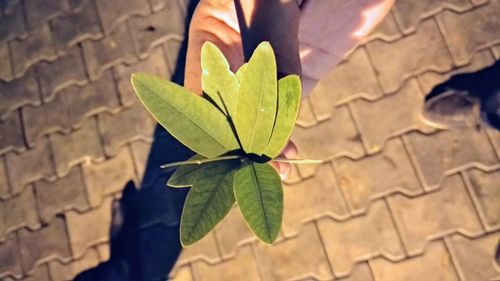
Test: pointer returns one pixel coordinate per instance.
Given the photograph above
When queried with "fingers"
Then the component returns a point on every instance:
(289, 152)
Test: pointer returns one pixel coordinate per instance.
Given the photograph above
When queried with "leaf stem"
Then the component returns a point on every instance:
(199, 162)
(297, 161)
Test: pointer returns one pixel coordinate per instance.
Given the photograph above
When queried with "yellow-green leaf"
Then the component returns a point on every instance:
(217, 79)
(259, 194)
(191, 119)
(257, 99)
(241, 71)
(289, 93)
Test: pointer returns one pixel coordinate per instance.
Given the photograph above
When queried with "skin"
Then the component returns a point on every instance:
(309, 40)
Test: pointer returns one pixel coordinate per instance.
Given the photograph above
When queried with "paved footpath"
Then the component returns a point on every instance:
(396, 200)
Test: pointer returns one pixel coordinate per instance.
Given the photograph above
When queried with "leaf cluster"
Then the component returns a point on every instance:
(242, 121)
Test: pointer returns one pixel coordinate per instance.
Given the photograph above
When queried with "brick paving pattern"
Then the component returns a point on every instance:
(396, 200)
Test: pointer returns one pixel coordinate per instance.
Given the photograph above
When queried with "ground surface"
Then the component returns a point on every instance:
(396, 200)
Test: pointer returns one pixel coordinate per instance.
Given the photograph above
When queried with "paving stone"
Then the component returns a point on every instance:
(387, 30)
(40, 273)
(98, 219)
(5, 67)
(434, 265)
(329, 139)
(475, 258)
(294, 258)
(229, 270)
(29, 166)
(205, 250)
(485, 186)
(47, 243)
(140, 152)
(104, 251)
(447, 151)
(64, 194)
(496, 51)
(18, 93)
(479, 60)
(436, 214)
(108, 177)
(10, 257)
(114, 12)
(11, 134)
(39, 12)
(360, 272)
(12, 24)
(314, 197)
(403, 113)
(154, 64)
(494, 136)
(349, 242)
(36, 47)
(131, 124)
(182, 274)
(232, 232)
(352, 78)
(153, 30)
(115, 48)
(78, 146)
(4, 182)
(19, 211)
(67, 70)
(466, 33)
(306, 117)
(81, 24)
(172, 48)
(409, 13)
(394, 62)
(67, 272)
(364, 180)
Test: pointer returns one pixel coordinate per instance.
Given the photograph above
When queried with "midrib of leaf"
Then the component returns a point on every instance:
(181, 113)
(258, 109)
(261, 203)
(280, 105)
(205, 206)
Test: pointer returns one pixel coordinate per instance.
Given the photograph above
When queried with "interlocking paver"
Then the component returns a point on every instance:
(332, 138)
(10, 257)
(12, 24)
(78, 146)
(49, 242)
(394, 62)
(352, 78)
(40, 273)
(154, 64)
(137, 120)
(108, 177)
(81, 24)
(387, 30)
(494, 136)
(405, 109)
(182, 274)
(17, 93)
(205, 249)
(55, 197)
(481, 252)
(431, 216)
(373, 177)
(479, 60)
(29, 166)
(67, 272)
(4, 182)
(409, 13)
(39, 12)
(172, 48)
(116, 47)
(466, 33)
(449, 150)
(66, 70)
(11, 134)
(360, 239)
(434, 265)
(314, 197)
(114, 12)
(17, 212)
(232, 269)
(486, 189)
(306, 116)
(5, 67)
(293, 258)
(98, 219)
(360, 272)
(154, 29)
(232, 232)
(36, 47)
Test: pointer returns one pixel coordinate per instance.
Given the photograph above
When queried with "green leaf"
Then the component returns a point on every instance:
(259, 194)
(241, 71)
(257, 99)
(208, 201)
(289, 93)
(185, 175)
(191, 119)
(217, 80)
